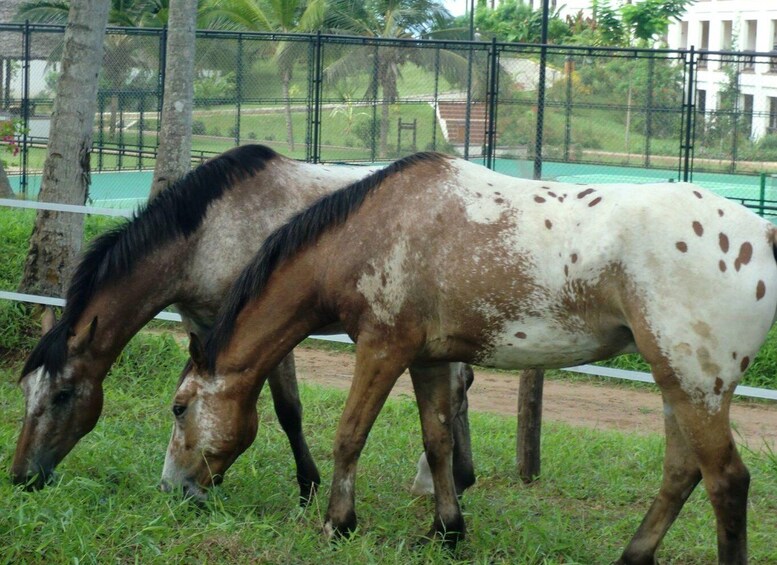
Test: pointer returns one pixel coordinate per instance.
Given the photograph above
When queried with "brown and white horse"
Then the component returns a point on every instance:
(184, 248)
(434, 260)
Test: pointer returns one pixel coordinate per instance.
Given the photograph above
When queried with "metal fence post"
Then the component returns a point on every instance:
(239, 86)
(649, 108)
(26, 107)
(436, 103)
(541, 92)
(491, 97)
(373, 149)
(318, 81)
(569, 67)
(690, 110)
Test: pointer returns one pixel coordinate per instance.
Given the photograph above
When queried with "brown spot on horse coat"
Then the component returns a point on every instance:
(574, 257)
(760, 290)
(722, 266)
(697, 194)
(723, 242)
(520, 335)
(745, 254)
(552, 194)
(744, 364)
(585, 193)
(548, 224)
(595, 201)
(718, 385)
(681, 246)
(566, 270)
(539, 199)
(499, 200)
(698, 229)
(720, 212)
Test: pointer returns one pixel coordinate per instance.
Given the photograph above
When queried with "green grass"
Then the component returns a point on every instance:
(105, 507)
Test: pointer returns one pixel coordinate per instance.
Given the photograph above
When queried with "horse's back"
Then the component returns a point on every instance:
(532, 273)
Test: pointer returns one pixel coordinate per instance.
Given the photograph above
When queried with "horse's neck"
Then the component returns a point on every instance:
(271, 325)
(124, 306)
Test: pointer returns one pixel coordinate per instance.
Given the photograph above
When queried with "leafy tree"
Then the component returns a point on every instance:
(279, 16)
(517, 21)
(395, 19)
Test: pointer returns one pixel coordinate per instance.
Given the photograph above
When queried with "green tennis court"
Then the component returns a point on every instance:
(127, 189)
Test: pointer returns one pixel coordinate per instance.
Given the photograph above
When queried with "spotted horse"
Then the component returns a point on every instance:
(435, 260)
(184, 248)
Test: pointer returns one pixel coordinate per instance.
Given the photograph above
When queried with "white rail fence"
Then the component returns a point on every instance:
(609, 372)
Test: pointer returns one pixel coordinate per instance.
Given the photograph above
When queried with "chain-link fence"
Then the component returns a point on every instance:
(606, 115)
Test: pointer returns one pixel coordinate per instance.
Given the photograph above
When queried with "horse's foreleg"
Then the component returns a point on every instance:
(433, 386)
(463, 468)
(288, 408)
(681, 475)
(377, 369)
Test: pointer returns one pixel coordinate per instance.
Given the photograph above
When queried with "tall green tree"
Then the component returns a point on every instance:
(286, 16)
(394, 19)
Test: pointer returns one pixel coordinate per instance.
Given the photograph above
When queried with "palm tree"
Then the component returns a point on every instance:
(122, 53)
(395, 19)
(284, 16)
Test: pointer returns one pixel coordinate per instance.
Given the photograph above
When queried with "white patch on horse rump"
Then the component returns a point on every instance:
(386, 287)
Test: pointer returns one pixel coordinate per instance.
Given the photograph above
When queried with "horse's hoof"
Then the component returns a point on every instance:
(340, 531)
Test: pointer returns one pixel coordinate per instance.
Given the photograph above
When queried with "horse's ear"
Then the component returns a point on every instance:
(47, 321)
(196, 351)
(83, 338)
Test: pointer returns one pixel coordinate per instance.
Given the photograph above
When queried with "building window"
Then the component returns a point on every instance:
(705, 43)
(747, 112)
(701, 101)
(726, 35)
(773, 59)
(772, 115)
(751, 27)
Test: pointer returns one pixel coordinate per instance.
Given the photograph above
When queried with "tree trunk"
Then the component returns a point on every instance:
(5, 185)
(175, 134)
(286, 81)
(56, 238)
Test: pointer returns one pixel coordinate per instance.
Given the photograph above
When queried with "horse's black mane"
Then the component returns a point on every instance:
(176, 212)
(301, 230)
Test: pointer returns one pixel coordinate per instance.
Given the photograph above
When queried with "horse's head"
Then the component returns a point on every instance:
(62, 404)
(215, 421)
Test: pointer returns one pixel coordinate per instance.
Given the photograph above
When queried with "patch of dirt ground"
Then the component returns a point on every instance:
(596, 406)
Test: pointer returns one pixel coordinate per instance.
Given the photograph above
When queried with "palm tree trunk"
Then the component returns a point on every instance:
(57, 236)
(286, 80)
(175, 134)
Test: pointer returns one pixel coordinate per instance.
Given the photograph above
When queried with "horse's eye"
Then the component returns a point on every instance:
(178, 410)
(63, 396)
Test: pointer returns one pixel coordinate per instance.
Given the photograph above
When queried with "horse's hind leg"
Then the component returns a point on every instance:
(698, 440)
(681, 475)
(725, 476)
(463, 468)
(288, 408)
(433, 390)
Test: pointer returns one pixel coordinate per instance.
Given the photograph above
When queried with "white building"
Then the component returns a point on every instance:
(736, 25)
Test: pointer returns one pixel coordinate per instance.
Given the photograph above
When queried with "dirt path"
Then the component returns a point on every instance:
(575, 403)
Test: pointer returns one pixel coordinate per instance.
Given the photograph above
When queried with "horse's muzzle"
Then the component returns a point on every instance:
(33, 480)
